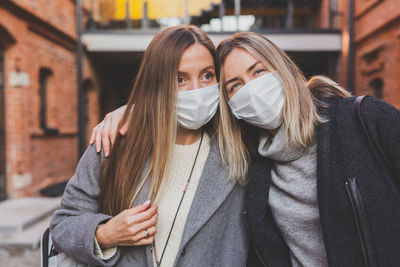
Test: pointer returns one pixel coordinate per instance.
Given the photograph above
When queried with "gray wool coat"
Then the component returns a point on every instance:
(214, 234)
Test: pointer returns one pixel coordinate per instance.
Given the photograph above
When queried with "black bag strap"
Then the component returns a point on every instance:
(366, 139)
(381, 162)
(44, 246)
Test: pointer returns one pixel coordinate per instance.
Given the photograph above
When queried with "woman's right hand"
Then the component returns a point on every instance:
(104, 133)
(132, 227)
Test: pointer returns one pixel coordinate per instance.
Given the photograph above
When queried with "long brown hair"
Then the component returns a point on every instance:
(152, 129)
(299, 113)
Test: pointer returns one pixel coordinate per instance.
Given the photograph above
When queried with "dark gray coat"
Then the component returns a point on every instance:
(214, 234)
(341, 158)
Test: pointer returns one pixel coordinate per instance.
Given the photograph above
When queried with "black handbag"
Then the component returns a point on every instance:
(50, 257)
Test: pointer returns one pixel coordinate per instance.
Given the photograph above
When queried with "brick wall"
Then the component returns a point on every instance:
(59, 13)
(377, 45)
(34, 158)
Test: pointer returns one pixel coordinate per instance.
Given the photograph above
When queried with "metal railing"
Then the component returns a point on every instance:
(211, 15)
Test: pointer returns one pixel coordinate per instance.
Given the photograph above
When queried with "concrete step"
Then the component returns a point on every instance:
(23, 220)
(20, 213)
(29, 238)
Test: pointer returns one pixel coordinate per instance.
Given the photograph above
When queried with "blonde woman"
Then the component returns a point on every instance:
(316, 195)
(163, 197)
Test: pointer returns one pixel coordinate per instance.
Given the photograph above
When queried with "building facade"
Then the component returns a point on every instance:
(38, 95)
(377, 49)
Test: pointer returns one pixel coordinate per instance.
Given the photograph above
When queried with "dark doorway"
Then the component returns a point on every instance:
(316, 63)
(118, 72)
(3, 192)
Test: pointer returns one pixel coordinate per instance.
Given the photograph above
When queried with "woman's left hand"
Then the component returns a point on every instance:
(132, 227)
(104, 133)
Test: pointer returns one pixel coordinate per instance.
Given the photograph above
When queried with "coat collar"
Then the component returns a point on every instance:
(213, 188)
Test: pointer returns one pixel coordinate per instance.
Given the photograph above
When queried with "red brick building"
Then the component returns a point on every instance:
(377, 49)
(38, 94)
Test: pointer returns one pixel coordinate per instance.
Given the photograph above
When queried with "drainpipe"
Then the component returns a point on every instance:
(186, 20)
(128, 20)
(289, 14)
(350, 57)
(81, 123)
(237, 13)
(145, 17)
(222, 14)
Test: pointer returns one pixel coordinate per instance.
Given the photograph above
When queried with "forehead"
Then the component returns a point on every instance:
(195, 56)
(237, 63)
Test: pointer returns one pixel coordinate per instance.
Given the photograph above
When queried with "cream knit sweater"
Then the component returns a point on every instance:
(177, 174)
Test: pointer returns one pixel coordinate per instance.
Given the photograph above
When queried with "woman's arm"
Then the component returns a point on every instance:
(76, 224)
(104, 133)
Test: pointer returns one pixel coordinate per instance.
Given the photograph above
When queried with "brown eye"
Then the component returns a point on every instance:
(208, 76)
(180, 80)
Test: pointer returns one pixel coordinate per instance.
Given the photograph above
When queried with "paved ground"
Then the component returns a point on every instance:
(19, 257)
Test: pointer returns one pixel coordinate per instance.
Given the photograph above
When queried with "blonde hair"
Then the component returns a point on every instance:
(152, 130)
(299, 112)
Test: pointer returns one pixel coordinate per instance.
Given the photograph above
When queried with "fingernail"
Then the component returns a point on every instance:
(147, 202)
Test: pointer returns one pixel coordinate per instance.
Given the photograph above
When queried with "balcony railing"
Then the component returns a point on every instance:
(212, 15)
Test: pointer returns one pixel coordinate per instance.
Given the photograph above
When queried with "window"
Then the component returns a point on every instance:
(45, 76)
(377, 86)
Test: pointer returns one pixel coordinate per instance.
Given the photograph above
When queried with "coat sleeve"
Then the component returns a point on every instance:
(383, 123)
(73, 226)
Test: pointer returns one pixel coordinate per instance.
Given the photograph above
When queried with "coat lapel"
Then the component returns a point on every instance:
(265, 235)
(213, 188)
(141, 198)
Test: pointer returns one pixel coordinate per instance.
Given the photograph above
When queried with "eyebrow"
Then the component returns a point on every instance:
(203, 70)
(248, 70)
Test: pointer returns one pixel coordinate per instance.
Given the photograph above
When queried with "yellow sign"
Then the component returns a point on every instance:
(156, 8)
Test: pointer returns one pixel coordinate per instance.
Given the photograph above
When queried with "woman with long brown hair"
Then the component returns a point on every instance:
(164, 196)
(323, 167)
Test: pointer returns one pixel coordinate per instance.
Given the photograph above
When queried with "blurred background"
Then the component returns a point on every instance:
(65, 63)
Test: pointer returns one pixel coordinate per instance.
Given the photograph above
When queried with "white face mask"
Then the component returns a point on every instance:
(197, 107)
(260, 101)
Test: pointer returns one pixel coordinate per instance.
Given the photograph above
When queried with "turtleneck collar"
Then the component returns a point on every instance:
(277, 148)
